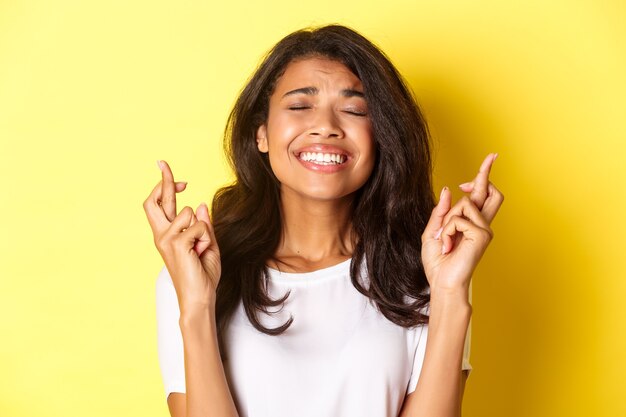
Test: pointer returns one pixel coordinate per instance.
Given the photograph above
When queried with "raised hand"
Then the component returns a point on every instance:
(455, 238)
(186, 242)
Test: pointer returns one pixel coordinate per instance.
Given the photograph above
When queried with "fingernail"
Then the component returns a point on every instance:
(443, 249)
(442, 191)
(465, 184)
(159, 165)
(438, 233)
(495, 156)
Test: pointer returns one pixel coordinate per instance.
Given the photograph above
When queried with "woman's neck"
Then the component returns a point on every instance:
(315, 233)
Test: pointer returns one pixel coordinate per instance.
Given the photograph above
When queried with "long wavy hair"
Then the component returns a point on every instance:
(390, 211)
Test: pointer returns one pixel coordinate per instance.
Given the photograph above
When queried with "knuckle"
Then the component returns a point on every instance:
(146, 204)
(468, 203)
(160, 242)
(497, 193)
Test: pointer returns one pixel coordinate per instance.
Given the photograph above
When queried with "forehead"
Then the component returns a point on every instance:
(320, 72)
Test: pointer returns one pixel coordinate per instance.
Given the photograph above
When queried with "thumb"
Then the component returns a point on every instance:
(435, 223)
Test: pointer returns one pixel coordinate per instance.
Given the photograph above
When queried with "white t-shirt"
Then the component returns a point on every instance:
(340, 357)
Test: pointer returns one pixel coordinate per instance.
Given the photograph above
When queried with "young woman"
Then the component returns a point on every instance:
(326, 282)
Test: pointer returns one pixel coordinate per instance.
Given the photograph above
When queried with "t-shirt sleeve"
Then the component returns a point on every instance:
(420, 351)
(169, 336)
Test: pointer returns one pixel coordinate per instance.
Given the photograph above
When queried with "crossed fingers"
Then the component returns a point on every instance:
(483, 194)
(160, 206)
(479, 208)
(471, 215)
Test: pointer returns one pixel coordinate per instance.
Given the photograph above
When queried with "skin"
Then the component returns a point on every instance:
(316, 206)
(452, 244)
(317, 234)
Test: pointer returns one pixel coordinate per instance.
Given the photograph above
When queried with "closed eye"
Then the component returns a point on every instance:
(299, 107)
(356, 112)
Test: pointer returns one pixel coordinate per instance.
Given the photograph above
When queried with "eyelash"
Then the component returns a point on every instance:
(358, 113)
(354, 113)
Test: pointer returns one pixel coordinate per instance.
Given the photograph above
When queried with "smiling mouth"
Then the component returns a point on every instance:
(320, 158)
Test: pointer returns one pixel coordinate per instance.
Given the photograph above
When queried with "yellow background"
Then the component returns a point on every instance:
(93, 93)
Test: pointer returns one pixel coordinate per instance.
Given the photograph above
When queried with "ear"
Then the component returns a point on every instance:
(261, 139)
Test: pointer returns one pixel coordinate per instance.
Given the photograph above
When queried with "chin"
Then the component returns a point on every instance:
(317, 193)
(327, 195)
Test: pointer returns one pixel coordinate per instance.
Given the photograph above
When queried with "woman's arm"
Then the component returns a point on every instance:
(205, 380)
(439, 391)
(177, 340)
(187, 244)
(207, 389)
(177, 404)
(453, 243)
(464, 376)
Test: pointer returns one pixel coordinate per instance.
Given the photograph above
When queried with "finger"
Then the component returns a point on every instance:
(168, 192)
(152, 206)
(492, 203)
(181, 222)
(193, 221)
(202, 213)
(439, 211)
(197, 235)
(154, 212)
(467, 187)
(481, 182)
(466, 208)
(469, 231)
(181, 186)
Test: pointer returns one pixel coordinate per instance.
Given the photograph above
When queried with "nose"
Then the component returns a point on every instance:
(326, 125)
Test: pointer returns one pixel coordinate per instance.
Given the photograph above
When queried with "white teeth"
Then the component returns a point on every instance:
(323, 158)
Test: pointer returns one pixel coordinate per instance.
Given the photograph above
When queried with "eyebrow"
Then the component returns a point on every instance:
(311, 91)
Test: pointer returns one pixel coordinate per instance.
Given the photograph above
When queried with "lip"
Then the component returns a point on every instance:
(323, 148)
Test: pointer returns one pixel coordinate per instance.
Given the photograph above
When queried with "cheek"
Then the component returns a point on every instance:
(367, 145)
(370, 147)
(281, 131)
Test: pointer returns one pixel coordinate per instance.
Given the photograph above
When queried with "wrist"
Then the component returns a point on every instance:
(456, 291)
(197, 317)
(451, 300)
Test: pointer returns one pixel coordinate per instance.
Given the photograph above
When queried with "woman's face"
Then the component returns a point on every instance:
(318, 132)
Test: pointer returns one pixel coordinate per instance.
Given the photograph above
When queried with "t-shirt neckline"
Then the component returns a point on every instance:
(336, 270)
